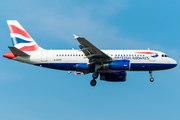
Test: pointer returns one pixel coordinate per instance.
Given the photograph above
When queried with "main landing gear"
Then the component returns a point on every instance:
(95, 76)
(93, 82)
(150, 74)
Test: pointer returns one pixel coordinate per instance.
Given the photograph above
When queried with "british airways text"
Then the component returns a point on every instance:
(133, 58)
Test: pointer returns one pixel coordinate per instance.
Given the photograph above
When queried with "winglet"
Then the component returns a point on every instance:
(75, 36)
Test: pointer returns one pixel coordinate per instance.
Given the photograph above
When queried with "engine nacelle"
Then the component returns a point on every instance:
(117, 65)
(81, 66)
(113, 77)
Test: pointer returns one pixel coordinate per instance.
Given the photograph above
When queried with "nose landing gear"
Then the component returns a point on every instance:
(152, 79)
(150, 74)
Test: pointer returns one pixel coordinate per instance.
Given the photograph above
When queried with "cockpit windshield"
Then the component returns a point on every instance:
(164, 55)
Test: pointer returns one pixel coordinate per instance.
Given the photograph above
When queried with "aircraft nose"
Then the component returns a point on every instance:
(174, 62)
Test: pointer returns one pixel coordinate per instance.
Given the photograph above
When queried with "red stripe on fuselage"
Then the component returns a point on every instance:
(14, 29)
(146, 53)
(30, 48)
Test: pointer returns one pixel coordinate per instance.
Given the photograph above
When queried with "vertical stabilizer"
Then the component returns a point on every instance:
(20, 38)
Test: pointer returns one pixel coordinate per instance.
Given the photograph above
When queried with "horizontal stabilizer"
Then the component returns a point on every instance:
(17, 52)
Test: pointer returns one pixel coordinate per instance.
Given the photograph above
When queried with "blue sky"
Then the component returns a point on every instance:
(32, 93)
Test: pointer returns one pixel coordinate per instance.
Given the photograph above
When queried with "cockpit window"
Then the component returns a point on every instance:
(165, 55)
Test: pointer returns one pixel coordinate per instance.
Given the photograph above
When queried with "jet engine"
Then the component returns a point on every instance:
(113, 77)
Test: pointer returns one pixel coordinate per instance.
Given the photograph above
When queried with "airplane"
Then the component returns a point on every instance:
(110, 65)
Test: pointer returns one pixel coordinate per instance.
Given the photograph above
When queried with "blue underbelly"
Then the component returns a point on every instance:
(134, 66)
(150, 66)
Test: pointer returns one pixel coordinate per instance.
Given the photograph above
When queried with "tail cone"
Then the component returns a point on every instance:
(9, 55)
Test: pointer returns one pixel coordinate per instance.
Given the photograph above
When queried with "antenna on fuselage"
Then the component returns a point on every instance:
(148, 49)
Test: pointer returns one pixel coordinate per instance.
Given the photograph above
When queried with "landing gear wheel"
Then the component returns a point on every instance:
(95, 75)
(93, 82)
(152, 79)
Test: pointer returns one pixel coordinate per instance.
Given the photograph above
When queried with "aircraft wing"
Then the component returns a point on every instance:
(92, 53)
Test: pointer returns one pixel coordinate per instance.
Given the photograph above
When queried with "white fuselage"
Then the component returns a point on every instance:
(140, 60)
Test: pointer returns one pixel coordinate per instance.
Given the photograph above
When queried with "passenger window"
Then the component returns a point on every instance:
(70, 54)
(73, 54)
(62, 54)
(162, 55)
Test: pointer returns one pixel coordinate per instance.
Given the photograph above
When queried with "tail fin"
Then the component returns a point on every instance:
(20, 38)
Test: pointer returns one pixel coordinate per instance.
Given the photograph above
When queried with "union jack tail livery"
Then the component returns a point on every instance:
(20, 38)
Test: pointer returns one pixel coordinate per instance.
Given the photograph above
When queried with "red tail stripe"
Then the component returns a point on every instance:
(30, 48)
(14, 29)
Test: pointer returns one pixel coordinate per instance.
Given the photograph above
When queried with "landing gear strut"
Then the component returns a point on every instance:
(150, 74)
(95, 76)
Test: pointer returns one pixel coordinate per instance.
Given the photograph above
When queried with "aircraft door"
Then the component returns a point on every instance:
(44, 56)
